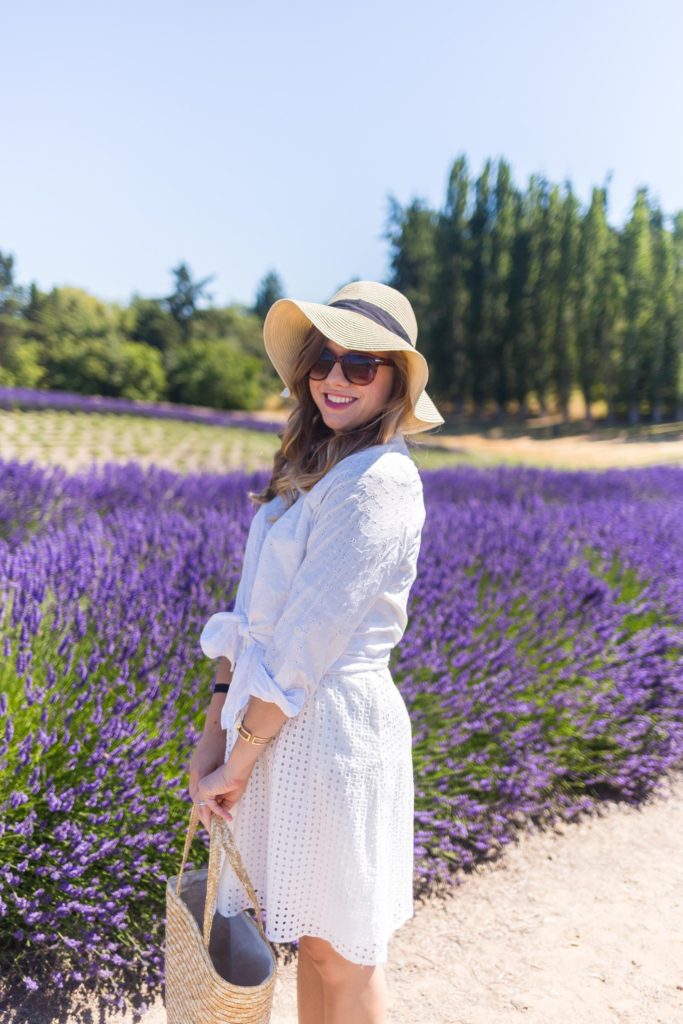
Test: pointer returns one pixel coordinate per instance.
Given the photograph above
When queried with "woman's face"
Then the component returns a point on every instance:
(367, 400)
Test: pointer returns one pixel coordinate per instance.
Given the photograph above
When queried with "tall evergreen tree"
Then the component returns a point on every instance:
(12, 295)
(506, 200)
(608, 320)
(269, 290)
(12, 299)
(522, 293)
(542, 208)
(565, 292)
(639, 303)
(454, 376)
(518, 304)
(659, 352)
(675, 358)
(480, 311)
(183, 302)
(594, 241)
(411, 233)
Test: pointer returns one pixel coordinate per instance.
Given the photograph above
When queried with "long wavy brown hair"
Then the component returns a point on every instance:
(309, 447)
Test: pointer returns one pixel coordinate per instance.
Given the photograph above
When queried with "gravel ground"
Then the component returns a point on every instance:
(578, 925)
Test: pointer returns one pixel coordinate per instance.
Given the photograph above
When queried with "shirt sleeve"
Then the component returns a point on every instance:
(224, 633)
(356, 541)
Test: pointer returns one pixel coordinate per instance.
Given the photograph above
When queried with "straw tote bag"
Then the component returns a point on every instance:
(219, 970)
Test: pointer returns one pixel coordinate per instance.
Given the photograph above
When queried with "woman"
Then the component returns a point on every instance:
(309, 753)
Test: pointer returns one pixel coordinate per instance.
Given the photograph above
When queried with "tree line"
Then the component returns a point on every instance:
(522, 296)
(522, 293)
(174, 348)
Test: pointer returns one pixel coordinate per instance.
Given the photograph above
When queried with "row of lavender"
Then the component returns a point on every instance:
(67, 401)
(542, 669)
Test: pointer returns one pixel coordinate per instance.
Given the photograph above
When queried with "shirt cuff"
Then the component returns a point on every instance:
(263, 686)
(222, 635)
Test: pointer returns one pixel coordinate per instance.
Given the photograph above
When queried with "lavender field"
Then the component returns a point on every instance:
(31, 398)
(541, 667)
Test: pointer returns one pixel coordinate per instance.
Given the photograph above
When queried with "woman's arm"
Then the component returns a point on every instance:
(207, 762)
(212, 722)
(209, 752)
(222, 787)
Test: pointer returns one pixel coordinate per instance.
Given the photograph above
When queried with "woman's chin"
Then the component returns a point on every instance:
(334, 421)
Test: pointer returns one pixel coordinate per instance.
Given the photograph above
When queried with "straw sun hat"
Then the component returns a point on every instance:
(363, 316)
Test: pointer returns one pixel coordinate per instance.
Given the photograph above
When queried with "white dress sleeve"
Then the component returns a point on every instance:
(356, 542)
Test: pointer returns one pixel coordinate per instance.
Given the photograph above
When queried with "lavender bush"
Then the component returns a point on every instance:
(541, 667)
(543, 664)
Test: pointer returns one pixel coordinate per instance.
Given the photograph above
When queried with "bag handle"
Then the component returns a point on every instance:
(220, 836)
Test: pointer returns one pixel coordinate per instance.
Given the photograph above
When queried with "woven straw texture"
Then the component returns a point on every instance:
(224, 972)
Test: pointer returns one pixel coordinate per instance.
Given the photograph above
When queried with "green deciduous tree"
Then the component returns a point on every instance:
(141, 373)
(19, 366)
(78, 340)
(230, 323)
(153, 325)
(217, 374)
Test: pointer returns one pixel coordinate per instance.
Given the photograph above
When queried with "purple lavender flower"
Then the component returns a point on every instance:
(541, 668)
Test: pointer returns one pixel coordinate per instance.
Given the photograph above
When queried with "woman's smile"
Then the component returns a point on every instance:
(335, 401)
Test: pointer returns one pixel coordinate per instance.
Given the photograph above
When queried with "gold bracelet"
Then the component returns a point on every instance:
(249, 736)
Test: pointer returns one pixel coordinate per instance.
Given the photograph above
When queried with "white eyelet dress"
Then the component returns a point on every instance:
(325, 824)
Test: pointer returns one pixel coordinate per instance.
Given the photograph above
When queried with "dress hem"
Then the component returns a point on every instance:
(381, 956)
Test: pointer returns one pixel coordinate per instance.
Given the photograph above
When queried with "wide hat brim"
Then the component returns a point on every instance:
(289, 321)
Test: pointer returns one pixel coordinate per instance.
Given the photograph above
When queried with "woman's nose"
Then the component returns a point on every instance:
(336, 375)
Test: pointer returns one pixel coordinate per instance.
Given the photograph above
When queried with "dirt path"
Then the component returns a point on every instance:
(576, 452)
(579, 926)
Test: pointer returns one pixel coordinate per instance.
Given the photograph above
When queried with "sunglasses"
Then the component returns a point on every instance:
(356, 367)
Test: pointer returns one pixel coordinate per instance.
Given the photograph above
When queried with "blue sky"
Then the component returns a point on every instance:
(240, 138)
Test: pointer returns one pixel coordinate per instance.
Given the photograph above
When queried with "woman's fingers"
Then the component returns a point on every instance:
(202, 805)
(218, 803)
(219, 795)
(218, 808)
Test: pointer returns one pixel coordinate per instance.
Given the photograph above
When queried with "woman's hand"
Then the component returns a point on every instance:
(221, 790)
(208, 755)
(220, 785)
